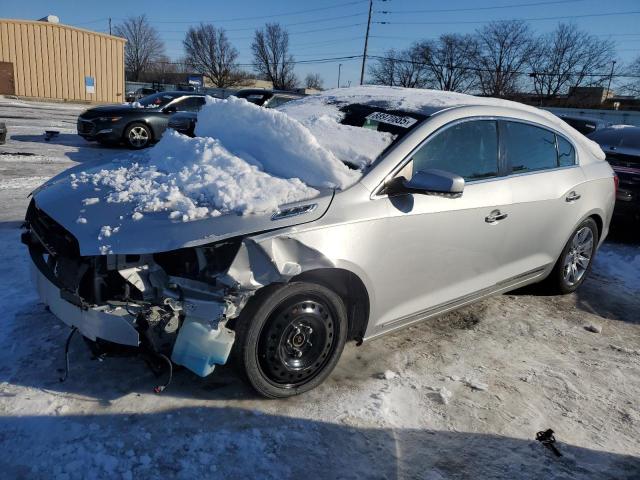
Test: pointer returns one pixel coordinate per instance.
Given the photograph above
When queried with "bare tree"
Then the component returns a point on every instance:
(404, 69)
(208, 51)
(565, 57)
(162, 69)
(143, 45)
(383, 71)
(504, 48)
(633, 85)
(450, 62)
(314, 81)
(271, 56)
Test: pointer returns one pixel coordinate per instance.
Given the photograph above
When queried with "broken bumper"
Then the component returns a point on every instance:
(104, 322)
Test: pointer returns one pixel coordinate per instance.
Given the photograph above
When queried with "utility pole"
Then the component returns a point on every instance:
(366, 42)
(109, 25)
(339, 67)
(613, 64)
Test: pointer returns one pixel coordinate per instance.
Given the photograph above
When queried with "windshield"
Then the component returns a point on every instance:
(157, 100)
(396, 123)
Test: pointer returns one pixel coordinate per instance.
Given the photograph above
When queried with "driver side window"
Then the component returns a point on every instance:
(468, 149)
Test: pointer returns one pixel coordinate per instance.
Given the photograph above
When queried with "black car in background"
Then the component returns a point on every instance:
(185, 122)
(585, 125)
(139, 124)
(621, 144)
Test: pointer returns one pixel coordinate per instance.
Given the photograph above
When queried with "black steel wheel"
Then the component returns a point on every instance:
(290, 338)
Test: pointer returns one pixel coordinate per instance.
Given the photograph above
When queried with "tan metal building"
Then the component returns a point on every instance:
(44, 60)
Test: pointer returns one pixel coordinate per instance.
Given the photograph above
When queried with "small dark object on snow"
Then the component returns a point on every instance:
(547, 439)
(49, 134)
(66, 354)
(3, 133)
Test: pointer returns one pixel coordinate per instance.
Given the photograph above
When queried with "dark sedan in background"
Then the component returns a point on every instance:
(585, 125)
(185, 122)
(139, 124)
(621, 144)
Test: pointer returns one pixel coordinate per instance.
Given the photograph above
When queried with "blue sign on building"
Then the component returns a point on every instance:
(90, 84)
(195, 80)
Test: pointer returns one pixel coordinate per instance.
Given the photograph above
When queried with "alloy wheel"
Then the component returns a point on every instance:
(578, 257)
(138, 136)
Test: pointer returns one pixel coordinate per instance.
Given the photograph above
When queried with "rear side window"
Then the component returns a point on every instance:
(566, 153)
(529, 148)
(468, 149)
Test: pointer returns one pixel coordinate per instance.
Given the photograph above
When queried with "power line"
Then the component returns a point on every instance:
(460, 22)
(307, 22)
(474, 9)
(489, 70)
(260, 17)
(383, 57)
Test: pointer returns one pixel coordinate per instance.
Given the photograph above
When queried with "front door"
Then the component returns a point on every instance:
(440, 249)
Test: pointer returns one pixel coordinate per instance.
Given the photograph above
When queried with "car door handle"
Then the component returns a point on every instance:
(572, 197)
(495, 216)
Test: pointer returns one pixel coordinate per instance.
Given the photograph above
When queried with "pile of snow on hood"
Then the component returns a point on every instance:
(194, 178)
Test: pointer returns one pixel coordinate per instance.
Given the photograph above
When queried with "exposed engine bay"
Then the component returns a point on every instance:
(176, 303)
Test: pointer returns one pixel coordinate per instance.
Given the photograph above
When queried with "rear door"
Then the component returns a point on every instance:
(545, 183)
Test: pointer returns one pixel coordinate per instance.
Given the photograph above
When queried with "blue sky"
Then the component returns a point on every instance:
(330, 28)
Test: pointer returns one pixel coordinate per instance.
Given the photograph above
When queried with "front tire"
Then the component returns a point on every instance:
(576, 259)
(290, 337)
(137, 136)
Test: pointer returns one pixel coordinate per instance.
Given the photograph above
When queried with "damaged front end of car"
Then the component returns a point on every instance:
(179, 304)
(175, 303)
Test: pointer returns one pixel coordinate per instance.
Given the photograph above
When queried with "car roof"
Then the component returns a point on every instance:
(184, 93)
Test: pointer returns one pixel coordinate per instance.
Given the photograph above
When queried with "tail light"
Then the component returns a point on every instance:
(616, 182)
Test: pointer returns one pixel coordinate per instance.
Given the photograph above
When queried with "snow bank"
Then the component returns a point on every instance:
(194, 178)
(274, 141)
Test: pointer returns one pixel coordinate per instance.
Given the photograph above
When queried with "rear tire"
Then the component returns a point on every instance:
(137, 136)
(576, 259)
(290, 337)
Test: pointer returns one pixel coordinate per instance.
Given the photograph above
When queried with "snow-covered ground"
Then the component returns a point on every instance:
(460, 396)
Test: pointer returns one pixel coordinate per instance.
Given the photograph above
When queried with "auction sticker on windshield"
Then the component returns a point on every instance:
(404, 122)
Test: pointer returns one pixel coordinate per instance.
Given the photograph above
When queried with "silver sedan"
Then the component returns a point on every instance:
(469, 197)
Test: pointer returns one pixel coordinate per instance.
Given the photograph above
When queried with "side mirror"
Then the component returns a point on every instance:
(426, 182)
(170, 109)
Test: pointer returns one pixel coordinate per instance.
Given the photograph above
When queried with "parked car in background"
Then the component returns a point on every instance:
(621, 144)
(185, 122)
(585, 125)
(422, 202)
(138, 125)
(140, 93)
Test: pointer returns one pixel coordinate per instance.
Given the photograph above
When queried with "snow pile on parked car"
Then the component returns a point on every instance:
(249, 159)
(310, 110)
(193, 178)
(273, 141)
